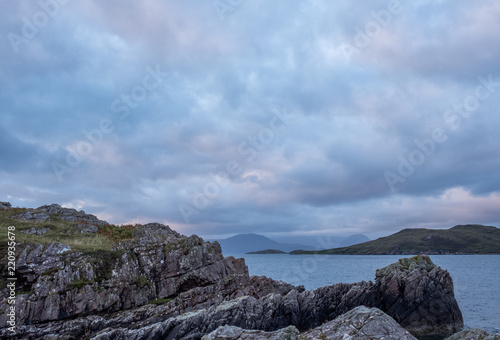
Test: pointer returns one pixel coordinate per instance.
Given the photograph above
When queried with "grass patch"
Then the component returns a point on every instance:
(24, 292)
(118, 233)
(159, 301)
(79, 284)
(62, 231)
(141, 281)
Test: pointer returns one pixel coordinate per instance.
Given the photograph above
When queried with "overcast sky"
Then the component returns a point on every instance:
(275, 117)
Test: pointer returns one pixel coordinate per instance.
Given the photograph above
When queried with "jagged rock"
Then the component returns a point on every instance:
(30, 215)
(197, 290)
(35, 231)
(236, 333)
(420, 296)
(158, 263)
(5, 206)
(44, 212)
(359, 323)
(87, 228)
(474, 334)
(208, 294)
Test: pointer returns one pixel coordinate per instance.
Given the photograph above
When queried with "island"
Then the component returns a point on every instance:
(268, 251)
(461, 239)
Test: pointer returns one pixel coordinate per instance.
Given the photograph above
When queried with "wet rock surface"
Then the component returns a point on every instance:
(163, 285)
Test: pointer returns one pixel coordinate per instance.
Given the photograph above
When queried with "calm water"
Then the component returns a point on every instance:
(476, 277)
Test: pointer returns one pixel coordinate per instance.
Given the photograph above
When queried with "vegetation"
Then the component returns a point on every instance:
(79, 284)
(160, 301)
(461, 239)
(141, 281)
(59, 230)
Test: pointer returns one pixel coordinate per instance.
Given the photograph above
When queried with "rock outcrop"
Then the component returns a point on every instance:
(157, 264)
(419, 295)
(359, 323)
(44, 213)
(474, 334)
(5, 206)
(162, 285)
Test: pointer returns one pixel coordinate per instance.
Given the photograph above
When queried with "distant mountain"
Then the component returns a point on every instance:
(461, 239)
(354, 239)
(245, 243)
(268, 251)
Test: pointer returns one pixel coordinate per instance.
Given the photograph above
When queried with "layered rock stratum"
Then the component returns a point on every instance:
(155, 283)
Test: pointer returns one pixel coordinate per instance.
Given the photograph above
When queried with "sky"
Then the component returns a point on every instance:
(287, 119)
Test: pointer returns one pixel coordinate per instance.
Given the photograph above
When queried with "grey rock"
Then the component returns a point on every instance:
(420, 296)
(5, 206)
(236, 333)
(155, 265)
(359, 323)
(87, 228)
(44, 212)
(31, 215)
(195, 290)
(35, 231)
(474, 334)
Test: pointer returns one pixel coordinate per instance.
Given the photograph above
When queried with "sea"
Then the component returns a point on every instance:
(476, 278)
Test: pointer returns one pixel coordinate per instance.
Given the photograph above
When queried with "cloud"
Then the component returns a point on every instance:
(215, 134)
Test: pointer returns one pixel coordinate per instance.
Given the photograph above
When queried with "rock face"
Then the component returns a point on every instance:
(474, 334)
(359, 323)
(158, 264)
(163, 285)
(43, 214)
(420, 296)
(5, 206)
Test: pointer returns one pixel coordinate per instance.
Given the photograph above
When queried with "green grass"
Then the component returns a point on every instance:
(160, 301)
(62, 231)
(79, 284)
(141, 281)
(463, 239)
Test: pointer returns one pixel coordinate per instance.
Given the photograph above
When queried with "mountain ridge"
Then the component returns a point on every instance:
(245, 243)
(460, 239)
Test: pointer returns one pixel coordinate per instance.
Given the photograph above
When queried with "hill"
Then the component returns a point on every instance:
(268, 251)
(244, 243)
(461, 239)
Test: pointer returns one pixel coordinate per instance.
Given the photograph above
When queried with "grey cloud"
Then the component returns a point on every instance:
(322, 173)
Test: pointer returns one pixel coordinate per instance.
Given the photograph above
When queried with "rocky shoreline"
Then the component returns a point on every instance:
(158, 284)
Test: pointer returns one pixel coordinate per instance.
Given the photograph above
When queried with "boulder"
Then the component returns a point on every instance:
(236, 333)
(5, 206)
(87, 228)
(35, 231)
(359, 323)
(474, 334)
(419, 295)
